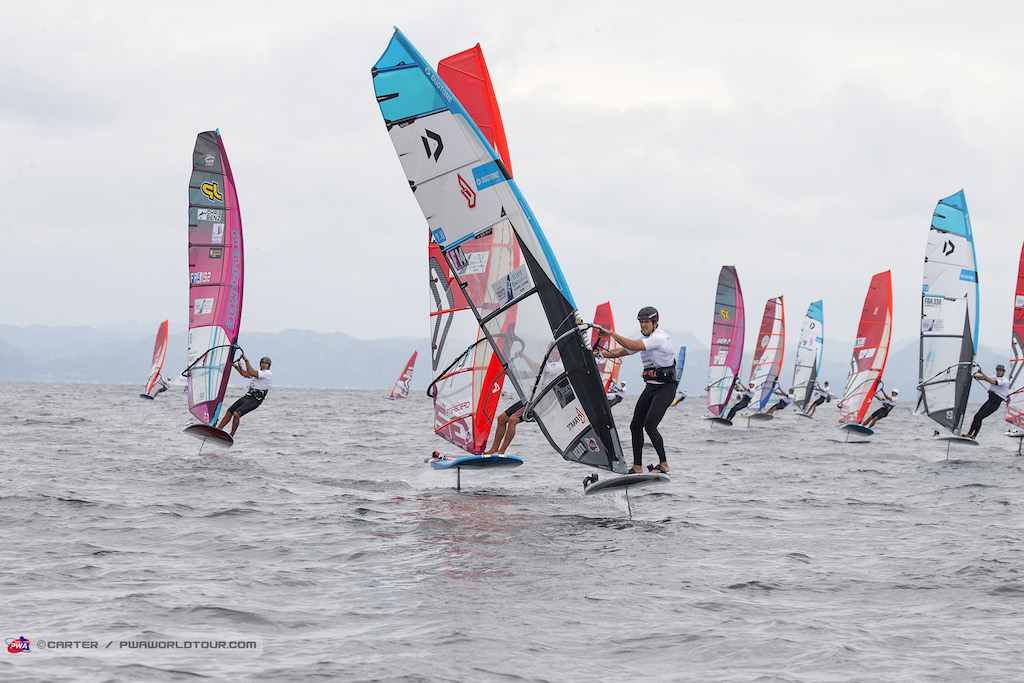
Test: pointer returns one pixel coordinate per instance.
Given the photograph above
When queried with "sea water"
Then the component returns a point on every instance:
(321, 546)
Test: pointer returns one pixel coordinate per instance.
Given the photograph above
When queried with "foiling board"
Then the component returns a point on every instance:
(625, 481)
(719, 420)
(857, 428)
(146, 396)
(477, 462)
(954, 437)
(209, 433)
(1015, 434)
(758, 416)
(803, 414)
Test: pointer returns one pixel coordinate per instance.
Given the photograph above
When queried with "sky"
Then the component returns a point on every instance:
(806, 143)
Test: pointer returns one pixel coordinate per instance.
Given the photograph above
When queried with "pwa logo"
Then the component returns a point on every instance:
(468, 192)
(16, 645)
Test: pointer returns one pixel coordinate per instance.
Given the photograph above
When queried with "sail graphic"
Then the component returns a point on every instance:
(609, 367)
(726, 340)
(467, 377)
(466, 194)
(870, 351)
(808, 355)
(401, 388)
(1015, 400)
(771, 344)
(215, 276)
(949, 314)
(159, 353)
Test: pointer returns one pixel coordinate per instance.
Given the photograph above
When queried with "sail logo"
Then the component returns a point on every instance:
(948, 248)
(968, 275)
(209, 160)
(764, 341)
(200, 278)
(436, 154)
(580, 419)
(467, 192)
(210, 215)
(235, 285)
(725, 313)
(17, 645)
(487, 175)
(212, 191)
(218, 233)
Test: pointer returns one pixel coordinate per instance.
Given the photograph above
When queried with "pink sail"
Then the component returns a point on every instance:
(401, 388)
(159, 354)
(216, 269)
(1015, 401)
(726, 340)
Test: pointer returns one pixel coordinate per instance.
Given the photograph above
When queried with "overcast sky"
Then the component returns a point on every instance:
(805, 142)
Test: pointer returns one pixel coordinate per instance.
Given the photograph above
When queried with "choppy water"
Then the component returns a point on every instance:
(775, 553)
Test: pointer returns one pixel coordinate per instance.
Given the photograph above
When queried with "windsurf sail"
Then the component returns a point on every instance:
(215, 276)
(401, 388)
(1015, 399)
(467, 377)
(870, 351)
(808, 355)
(680, 363)
(159, 353)
(726, 340)
(949, 314)
(771, 344)
(467, 195)
(609, 367)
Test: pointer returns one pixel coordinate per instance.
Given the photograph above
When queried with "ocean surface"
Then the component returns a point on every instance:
(321, 547)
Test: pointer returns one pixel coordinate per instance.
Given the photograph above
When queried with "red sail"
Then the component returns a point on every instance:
(1015, 402)
(159, 353)
(609, 368)
(870, 351)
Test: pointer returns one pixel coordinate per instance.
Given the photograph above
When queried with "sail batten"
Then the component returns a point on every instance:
(949, 314)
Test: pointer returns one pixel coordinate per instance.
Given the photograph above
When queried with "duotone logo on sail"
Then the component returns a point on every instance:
(487, 175)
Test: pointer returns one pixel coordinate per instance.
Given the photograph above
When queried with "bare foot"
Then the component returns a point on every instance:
(637, 469)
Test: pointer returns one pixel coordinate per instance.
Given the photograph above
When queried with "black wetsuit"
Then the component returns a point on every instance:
(650, 409)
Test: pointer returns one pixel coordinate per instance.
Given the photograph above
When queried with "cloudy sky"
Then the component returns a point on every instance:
(804, 142)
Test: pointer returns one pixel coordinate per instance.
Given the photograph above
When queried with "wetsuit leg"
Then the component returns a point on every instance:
(984, 411)
(636, 427)
(740, 405)
(660, 402)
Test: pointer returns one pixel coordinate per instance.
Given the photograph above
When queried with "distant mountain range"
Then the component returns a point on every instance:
(121, 355)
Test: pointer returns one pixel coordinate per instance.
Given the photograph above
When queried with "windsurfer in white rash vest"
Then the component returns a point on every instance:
(997, 394)
(744, 400)
(259, 384)
(658, 356)
(823, 395)
(784, 400)
(888, 403)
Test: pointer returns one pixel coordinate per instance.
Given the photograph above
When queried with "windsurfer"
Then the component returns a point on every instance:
(823, 395)
(888, 403)
(616, 392)
(505, 424)
(657, 354)
(744, 400)
(996, 396)
(165, 384)
(784, 400)
(259, 384)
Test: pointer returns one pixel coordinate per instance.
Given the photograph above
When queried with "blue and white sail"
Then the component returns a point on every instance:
(808, 355)
(525, 310)
(949, 314)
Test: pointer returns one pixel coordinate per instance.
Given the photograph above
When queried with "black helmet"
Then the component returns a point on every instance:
(265, 359)
(648, 313)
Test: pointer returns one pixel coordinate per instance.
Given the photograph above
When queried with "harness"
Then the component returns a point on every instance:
(660, 374)
(258, 394)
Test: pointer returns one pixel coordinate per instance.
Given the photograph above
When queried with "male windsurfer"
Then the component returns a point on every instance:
(615, 393)
(658, 356)
(784, 400)
(823, 395)
(259, 384)
(746, 394)
(996, 395)
(889, 402)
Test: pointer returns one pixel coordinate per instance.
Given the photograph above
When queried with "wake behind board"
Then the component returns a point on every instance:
(857, 428)
(477, 462)
(625, 481)
(719, 420)
(146, 396)
(209, 433)
(955, 438)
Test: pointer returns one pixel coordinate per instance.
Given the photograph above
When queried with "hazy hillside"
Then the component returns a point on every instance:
(121, 355)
